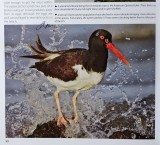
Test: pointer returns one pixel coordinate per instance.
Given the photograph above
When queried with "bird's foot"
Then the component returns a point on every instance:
(76, 119)
(62, 121)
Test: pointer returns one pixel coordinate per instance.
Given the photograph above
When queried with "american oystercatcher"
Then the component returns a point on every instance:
(75, 69)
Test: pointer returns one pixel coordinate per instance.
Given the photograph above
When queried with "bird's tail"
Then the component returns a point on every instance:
(41, 52)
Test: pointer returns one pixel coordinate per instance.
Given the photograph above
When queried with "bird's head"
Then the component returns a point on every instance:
(101, 40)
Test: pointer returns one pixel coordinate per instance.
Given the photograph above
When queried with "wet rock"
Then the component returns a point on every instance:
(121, 122)
(51, 130)
(139, 118)
(74, 130)
(147, 100)
(127, 134)
(48, 130)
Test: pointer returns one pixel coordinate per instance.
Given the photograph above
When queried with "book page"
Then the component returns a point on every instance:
(79, 72)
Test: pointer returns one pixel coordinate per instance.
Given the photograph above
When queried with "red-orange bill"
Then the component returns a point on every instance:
(111, 47)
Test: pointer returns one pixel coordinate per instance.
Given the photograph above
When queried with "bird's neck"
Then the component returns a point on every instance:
(96, 59)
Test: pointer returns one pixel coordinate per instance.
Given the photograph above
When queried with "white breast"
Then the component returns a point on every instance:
(84, 80)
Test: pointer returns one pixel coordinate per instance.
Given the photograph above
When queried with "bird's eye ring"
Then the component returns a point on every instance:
(101, 37)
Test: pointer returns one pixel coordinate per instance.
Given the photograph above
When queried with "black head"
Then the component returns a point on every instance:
(99, 43)
(97, 53)
(99, 39)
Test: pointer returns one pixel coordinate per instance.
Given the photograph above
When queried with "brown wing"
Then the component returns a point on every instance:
(61, 66)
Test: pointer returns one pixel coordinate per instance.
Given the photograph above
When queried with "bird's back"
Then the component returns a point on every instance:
(62, 66)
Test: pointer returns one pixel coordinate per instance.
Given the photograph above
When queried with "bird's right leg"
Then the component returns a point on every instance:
(61, 120)
(76, 119)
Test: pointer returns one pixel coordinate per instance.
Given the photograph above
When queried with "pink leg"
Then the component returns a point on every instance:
(76, 119)
(61, 120)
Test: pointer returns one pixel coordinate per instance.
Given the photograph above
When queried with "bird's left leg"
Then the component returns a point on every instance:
(76, 119)
(61, 120)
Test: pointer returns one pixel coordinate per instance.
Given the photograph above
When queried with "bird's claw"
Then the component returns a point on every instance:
(76, 119)
(65, 121)
(62, 121)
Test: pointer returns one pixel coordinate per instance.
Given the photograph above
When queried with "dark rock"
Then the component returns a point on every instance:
(114, 115)
(127, 134)
(147, 100)
(48, 130)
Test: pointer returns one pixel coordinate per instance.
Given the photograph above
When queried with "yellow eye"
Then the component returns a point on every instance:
(101, 37)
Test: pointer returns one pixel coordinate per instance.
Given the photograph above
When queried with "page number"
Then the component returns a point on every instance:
(7, 141)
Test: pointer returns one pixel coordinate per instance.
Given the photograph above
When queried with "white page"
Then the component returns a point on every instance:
(27, 96)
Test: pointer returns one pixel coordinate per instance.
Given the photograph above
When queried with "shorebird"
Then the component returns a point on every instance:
(75, 69)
